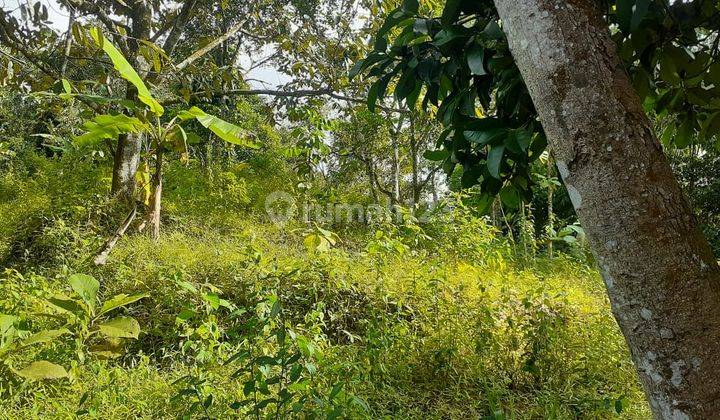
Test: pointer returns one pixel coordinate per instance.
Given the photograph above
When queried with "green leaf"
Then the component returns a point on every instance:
(6, 323)
(494, 160)
(67, 87)
(64, 304)
(667, 135)
(517, 141)
(381, 43)
(127, 72)
(639, 12)
(510, 196)
(394, 18)
(335, 391)
(213, 299)
(312, 242)
(110, 349)
(436, 155)
(373, 95)
(356, 69)
(412, 98)
(248, 387)
(624, 12)
(405, 85)
(121, 327)
(276, 308)
(108, 127)
(446, 36)
(43, 370)
(684, 134)
(44, 336)
(411, 6)
(711, 126)
(475, 58)
(493, 30)
(231, 133)
(470, 176)
(668, 68)
(484, 137)
(119, 301)
(85, 286)
(184, 315)
(450, 12)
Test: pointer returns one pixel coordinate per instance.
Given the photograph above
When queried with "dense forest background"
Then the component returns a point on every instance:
(286, 251)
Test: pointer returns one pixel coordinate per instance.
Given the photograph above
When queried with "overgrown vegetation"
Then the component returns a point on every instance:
(318, 259)
(240, 317)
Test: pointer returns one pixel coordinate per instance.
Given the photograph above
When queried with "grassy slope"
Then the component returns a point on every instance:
(456, 327)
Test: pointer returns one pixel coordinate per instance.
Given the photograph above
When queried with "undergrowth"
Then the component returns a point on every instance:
(240, 317)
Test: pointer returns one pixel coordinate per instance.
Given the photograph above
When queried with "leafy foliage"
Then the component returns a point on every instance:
(459, 63)
(79, 321)
(127, 72)
(229, 315)
(384, 318)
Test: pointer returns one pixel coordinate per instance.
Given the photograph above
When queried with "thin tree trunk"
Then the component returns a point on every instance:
(232, 31)
(396, 158)
(371, 179)
(434, 188)
(551, 214)
(415, 165)
(156, 199)
(660, 273)
(523, 232)
(179, 26)
(68, 42)
(494, 213)
(396, 170)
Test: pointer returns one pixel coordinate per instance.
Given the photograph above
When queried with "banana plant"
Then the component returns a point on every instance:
(162, 134)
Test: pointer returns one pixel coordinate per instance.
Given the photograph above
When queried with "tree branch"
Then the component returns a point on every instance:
(8, 37)
(429, 176)
(93, 9)
(232, 31)
(68, 42)
(286, 94)
(178, 26)
(102, 256)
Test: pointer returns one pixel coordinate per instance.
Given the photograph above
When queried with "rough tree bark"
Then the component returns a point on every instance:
(660, 273)
(127, 154)
(125, 165)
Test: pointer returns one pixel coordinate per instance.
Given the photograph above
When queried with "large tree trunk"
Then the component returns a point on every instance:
(661, 276)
